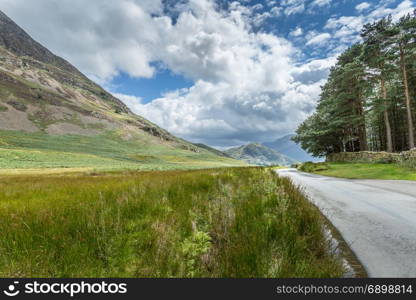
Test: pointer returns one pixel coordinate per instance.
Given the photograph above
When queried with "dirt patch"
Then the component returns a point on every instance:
(91, 122)
(67, 128)
(13, 119)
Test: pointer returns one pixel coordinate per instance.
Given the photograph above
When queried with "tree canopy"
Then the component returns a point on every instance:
(368, 102)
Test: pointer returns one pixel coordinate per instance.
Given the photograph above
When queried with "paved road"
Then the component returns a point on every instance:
(377, 218)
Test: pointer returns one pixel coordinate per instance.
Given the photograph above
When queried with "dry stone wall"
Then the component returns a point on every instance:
(406, 158)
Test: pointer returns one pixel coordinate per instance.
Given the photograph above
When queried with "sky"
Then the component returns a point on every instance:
(223, 73)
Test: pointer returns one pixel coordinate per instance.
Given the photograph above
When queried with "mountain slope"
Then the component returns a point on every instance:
(256, 154)
(17, 41)
(215, 151)
(47, 104)
(286, 146)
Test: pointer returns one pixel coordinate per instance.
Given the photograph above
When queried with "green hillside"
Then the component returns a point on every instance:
(102, 152)
(52, 116)
(256, 154)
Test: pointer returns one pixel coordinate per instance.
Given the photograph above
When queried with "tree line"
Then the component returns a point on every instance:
(368, 102)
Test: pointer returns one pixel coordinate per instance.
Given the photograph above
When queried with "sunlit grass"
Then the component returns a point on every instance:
(20, 150)
(368, 171)
(236, 222)
(44, 171)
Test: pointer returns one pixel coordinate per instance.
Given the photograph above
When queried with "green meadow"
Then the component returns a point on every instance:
(108, 151)
(229, 222)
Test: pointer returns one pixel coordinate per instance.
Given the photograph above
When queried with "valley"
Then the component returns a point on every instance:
(102, 181)
(260, 155)
(52, 116)
(90, 189)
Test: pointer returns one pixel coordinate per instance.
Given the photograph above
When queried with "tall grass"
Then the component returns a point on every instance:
(237, 222)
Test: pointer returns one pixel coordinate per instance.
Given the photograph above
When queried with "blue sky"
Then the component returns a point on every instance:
(218, 72)
(148, 89)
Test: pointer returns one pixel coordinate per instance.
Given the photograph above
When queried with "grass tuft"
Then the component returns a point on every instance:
(313, 167)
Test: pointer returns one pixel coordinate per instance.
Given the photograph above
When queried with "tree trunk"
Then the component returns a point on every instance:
(386, 118)
(362, 129)
(408, 103)
(363, 139)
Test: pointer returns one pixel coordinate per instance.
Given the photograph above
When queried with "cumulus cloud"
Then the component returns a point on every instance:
(345, 30)
(99, 37)
(405, 7)
(131, 101)
(314, 71)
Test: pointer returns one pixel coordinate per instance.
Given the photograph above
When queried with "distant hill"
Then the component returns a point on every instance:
(257, 154)
(286, 146)
(215, 151)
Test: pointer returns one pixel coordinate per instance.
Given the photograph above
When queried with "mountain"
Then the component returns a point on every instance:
(286, 146)
(215, 151)
(256, 154)
(46, 104)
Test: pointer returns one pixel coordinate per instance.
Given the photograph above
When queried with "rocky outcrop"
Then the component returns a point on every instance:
(17, 41)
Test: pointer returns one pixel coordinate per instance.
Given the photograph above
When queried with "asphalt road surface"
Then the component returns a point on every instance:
(377, 218)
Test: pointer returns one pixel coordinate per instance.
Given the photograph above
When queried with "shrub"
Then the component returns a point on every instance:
(311, 167)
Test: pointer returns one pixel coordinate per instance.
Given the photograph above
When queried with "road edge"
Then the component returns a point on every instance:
(336, 240)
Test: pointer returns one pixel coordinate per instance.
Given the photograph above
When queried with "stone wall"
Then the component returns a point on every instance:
(407, 158)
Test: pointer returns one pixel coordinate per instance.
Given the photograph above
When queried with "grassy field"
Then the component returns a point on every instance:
(232, 222)
(362, 171)
(20, 150)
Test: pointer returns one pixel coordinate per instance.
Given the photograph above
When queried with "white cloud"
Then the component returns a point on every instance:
(99, 37)
(298, 31)
(258, 6)
(345, 30)
(362, 6)
(320, 3)
(271, 3)
(133, 102)
(292, 7)
(318, 39)
(405, 7)
(314, 71)
(276, 11)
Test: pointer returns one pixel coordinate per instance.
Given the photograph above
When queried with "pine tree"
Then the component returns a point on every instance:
(377, 39)
(368, 100)
(405, 32)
